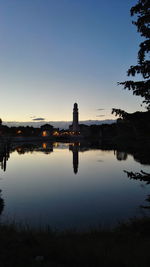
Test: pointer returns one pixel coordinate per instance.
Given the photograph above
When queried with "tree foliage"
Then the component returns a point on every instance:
(141, 88)
(142, 176)
(119, 112)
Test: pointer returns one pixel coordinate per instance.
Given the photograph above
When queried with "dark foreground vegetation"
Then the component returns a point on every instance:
(126, 245)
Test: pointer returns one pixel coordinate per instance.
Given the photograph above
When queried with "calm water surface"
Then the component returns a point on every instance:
(69, 186)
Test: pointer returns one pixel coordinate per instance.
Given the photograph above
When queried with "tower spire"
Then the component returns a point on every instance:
(75, 119)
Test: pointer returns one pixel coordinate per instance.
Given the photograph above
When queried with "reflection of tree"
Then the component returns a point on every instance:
(142, 176)
(1, 203)
(142, 156)
(139, 155)
(46, 148)
(121, 155)
(4, 155)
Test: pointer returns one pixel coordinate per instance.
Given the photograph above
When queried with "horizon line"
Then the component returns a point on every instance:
(34, 121)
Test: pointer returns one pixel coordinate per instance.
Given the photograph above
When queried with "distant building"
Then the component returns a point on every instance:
(75, 124)
(46, 130)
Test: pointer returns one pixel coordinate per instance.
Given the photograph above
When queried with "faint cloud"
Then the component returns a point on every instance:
(100, 115)
(32, 117)
(100, 109)
(39, 119)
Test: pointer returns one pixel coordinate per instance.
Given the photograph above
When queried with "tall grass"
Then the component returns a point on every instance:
(126, 245)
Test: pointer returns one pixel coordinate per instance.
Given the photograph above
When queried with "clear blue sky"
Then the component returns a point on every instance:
(57, 52)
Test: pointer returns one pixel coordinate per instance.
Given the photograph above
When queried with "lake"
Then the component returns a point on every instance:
(70, 185)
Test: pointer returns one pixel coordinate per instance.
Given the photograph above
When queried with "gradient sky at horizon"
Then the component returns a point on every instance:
(57, 52)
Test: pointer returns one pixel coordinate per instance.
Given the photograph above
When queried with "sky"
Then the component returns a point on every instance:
(54, 53)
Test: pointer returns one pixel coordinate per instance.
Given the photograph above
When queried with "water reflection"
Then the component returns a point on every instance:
(120, 155)
(75, 150)
(1, 202)
(47, 148)
(142, 176)
(4, 155)
(40, 182)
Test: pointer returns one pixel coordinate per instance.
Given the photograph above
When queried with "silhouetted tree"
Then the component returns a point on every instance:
(119, 112)
(141, 176)
(0, 121)
(141, 88)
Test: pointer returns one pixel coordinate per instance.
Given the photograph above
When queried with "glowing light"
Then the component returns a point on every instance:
(19, 149)
(55, 133)
(19, 132)
(44, 145)
(44, 133)
(56, 144)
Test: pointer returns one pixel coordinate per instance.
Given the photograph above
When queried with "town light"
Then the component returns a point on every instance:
(44, 133)
(55, 133)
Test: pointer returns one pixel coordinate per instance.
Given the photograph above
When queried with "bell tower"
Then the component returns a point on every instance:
(75, 123)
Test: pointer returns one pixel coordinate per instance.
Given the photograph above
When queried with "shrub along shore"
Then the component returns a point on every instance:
(126, 245)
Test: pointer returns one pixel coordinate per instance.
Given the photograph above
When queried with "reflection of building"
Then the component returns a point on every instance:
(75, 150)
(121, 155)
(46, 148)
(75, 124)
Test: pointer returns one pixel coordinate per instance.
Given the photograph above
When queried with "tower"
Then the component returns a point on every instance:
(75, 124)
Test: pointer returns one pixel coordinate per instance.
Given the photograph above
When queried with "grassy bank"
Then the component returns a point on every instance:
(126, 245)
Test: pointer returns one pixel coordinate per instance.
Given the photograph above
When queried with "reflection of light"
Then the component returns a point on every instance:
(19, 149)
(66, 133)
(44, 133)
(19, 132)
(74, 133)
(55, 144)
(55, 133)
(75, 144)
(44, 145)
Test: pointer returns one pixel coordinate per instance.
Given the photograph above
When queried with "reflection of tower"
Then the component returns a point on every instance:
(75, 150)
(75, 124)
